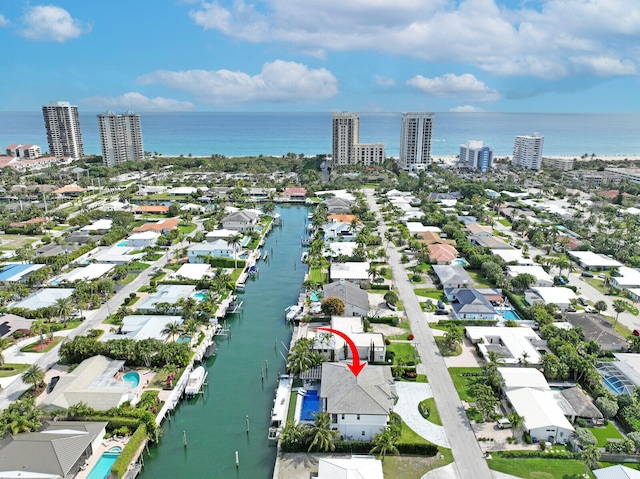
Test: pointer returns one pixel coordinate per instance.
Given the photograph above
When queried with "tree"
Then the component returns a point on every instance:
(291, 434)
(391, 298)
(384, 443)
(319, 435)
(332, 306)
(34, 375)
(453, 336)
(171, 330)
(516, 421)
(590, 456)
(63, 308)
(300, 357)
(585, 437)
(235, 241)
(607, 406)
(600, 306)
(619, 306)
(634, 343)
(4, 343)
(635, 437)
(523, 281)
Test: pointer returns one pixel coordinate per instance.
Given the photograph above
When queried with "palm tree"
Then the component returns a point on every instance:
(590, 456)
(172, 330)
(619, 306)
(384, 443)
(63, 308)
(319, 435)
(453, 336)
(516, 421)
(39, 327)
(34, 375)
(235, 241)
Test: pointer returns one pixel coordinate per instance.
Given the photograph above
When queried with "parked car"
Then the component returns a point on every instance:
(570, 310)
(442, 312)
(52, 384)
(503, 423)
(441, 304)
(583, 301)
(586, 274)
(602, 276)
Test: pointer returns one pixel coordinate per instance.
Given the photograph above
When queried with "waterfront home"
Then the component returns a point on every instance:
(452, 276)
(338, 205)
(189, 271)
(359, 406)
(356, 272)
(143, 326)
(343, 218)
(58, 450)
(17, 272)
(471, 304)
(542, 278)
(94, 382)
(593, 261)
(295, 194)
(162, 226)
(442, 253)
(220, 234)
(165, 297)
(144, 190)
(350, 468)
(338, 231)
(560, 296)
(143, 239)
(355, 299)
(85, 273)
(112, 254)
(244, 221)
(115, 206)
(183, 191)
(370, 346)
(98, 226)
(151, 210)
(199, 252)
(43, 298)
(336, 249)
(516, 346)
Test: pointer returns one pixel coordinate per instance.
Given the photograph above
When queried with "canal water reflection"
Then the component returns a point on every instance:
(214, 423)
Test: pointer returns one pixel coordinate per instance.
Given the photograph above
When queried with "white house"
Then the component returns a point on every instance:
(593, 261)
(350, 468)
(359, 406)
(220, 234)
(559, 296)
(542, 277)
(192, 271)
(350, 271)
(452, 276)
(143, 239)
(512, 256)
(97, 226)
(244, 221)
(86, 273)
(515, 345)
(370, 346)
(217, 249)
(143, 326)
(627, 278)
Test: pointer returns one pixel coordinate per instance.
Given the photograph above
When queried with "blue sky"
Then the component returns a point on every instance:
(322, 55)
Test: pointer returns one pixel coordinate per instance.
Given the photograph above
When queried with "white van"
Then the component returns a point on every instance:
(503, 423)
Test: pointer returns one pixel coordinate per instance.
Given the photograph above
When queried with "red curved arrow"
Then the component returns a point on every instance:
(357, 366)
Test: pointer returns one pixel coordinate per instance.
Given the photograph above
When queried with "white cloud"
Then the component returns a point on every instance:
(605, 66)
(50, 23)
(465, 109)
(384, 81)
(536, 39)
(457, 86)
(4, 21)
(278, 82)
(137, 101)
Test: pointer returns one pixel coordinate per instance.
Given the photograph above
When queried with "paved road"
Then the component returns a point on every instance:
(46, 361)
(469, 460)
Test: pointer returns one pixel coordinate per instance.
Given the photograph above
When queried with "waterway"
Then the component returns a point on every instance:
(214, 422)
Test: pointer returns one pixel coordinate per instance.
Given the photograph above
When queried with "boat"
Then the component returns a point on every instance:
(292, 312)
(304, 257)
(196, 379)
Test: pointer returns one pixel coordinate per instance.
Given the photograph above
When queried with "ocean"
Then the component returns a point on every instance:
(246, 134)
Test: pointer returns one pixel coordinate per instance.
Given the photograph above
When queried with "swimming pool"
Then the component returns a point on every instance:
(200, 295)
(614, 384)
(184, 339)
(316, 296)
(132, 377)
(310, 405)
(123, 243)
(461, 262)
(245, 241)
(510, 314)
(259, 228)
(102, 469)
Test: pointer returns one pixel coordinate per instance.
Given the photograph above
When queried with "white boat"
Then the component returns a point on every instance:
(292, 312)
(196, 379)
(304, 257)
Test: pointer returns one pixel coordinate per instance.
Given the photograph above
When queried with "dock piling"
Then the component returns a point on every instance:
(184, 438)
(237, 461)
(247, 421)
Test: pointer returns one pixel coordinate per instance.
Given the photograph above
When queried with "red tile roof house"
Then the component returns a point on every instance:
(442, 253)
(32, 221)
(296, 194)
(163, 226)
(151, 209)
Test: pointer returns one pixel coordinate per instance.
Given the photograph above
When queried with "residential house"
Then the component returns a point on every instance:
(452, 276)
(477, 229)
(143, 239)
(119, 255)
(338, 205)
(11, 323)
(626, 278)
(355, 299)
(442, 253)
(151, 210)
(220, 234)
(17, 272)
(340, 248)
(431, 237)
(99, 226)
(85, 273)
(350, 468)
(487, 241)
(162, 226)
(194, 272)
(40, 220)
(166, 294)
(516, 346)
(359, 406)
(338, 231)
(69, 190)
(370, 346)
(143, 326)
(53, 249)
(513, 256)
(356, 272)
(618, 471)
(560, 296)
(43, 298)
(542, 278)
(58, 450)
(199, 252)
(295, 194)
(471, 304)
(77, 238)
(95, 382)
(593, 261)
(244, 221)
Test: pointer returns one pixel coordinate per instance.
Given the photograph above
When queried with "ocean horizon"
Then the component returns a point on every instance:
(275, 134)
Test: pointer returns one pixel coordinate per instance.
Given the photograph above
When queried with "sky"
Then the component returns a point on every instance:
(322, 55)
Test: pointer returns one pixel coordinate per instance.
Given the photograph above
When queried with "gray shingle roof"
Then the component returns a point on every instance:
(348, 292)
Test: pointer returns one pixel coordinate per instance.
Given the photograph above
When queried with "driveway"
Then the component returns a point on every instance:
(410, 395)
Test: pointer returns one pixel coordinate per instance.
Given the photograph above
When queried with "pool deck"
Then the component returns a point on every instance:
(93, 460)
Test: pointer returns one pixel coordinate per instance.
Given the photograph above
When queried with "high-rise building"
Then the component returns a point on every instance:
(527, 151)
(63, 129)
(415, 140)
(120, 138)
(347, 149)
(346, 134)
(475, 155)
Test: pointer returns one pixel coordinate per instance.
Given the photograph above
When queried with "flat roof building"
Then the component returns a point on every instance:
(120, 138)
(527, 151)
(63, 129)
(415, 140)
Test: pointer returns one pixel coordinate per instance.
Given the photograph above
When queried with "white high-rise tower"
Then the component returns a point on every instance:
(415, 140)
(527, 151)
(120, 138)
(63, 129)
(346, 134)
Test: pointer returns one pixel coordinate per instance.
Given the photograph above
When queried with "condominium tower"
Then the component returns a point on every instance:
(475, 155)
(120, 138)
(415, 140)
(527, 151)
(63, 129)
(347, 149)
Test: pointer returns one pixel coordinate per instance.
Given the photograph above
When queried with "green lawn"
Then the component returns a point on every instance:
(479, 279)
(292, 405)
(436, 294)
(186, 229)
(138, 265)
(35, 346)
(317, 276)
(538, 468)
(463, 383)
(402, 351)
(606, 432)
(60, 227)
(7, 369)
(127, 279)
(13, 242)
(434, 415)
(444, 348)
(505, 222)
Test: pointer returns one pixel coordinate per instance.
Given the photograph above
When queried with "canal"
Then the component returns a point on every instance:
(214, 422)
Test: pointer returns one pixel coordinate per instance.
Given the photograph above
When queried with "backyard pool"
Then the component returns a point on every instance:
(259, 228)
(510, 314)
(123, 243)
(200, 295)
(245, 241)
(133, 378)
(614, 384)
(102, 469)
(316, 296)
(310, 405)
(184, 339)
(461, 262)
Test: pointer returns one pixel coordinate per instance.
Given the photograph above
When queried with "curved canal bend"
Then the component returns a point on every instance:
(215, 422)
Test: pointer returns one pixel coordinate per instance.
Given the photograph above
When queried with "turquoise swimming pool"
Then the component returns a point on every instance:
(316, 296)
(102, 469)
(510, 314)
(133, 378)
(123, 243)
(200, 295)
(245, 241)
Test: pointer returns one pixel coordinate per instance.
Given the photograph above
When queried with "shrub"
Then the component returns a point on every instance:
(391, 298)
(585, 437)
(410, 337)
(120, 467)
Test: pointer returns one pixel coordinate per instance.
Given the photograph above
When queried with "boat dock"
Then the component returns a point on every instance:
(280, 406)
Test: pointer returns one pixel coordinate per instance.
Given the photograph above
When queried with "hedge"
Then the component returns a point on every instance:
(539, 453)
(392, 320)
(225, 262)
(121, 466)
(467, 322)
(384, 287)
(363, 447)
